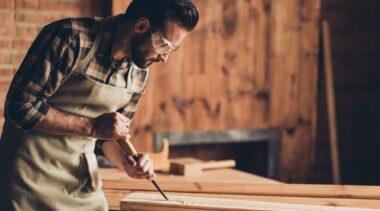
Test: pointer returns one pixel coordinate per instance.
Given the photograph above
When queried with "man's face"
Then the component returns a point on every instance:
(143, 52)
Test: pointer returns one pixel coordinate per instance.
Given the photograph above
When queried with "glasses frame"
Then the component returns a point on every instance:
(163, 43)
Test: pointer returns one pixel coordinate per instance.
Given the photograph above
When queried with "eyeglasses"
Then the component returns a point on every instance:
(161, 45)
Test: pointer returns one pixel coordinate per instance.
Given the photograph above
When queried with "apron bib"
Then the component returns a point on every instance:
(40, 171)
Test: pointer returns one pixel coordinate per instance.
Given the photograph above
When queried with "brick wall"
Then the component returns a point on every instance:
(20, 22)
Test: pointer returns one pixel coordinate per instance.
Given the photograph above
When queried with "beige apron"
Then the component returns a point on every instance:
(53, 172)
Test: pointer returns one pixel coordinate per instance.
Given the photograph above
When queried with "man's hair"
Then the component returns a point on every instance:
(159, 12)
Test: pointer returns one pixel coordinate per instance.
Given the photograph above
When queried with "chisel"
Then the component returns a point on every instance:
(128, 149)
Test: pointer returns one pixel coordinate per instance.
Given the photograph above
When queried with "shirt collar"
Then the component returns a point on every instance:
(105, 45)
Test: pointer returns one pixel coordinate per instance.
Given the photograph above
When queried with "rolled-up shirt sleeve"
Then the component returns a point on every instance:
(47, 63)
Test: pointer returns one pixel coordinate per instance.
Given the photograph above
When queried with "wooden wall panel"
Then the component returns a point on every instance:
(355, 48)
(248, 64)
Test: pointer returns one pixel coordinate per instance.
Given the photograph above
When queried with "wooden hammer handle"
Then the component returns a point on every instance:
(218, 164)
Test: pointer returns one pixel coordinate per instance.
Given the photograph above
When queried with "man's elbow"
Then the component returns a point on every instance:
(23, 115)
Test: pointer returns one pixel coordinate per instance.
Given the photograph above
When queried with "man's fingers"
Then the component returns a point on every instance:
(143, 159)
(147, 174)
(147, 166)
(152, 176)
(122, 118)
(123, 133)
(129, 161)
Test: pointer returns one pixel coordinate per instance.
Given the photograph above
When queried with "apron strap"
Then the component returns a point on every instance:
(94, 46)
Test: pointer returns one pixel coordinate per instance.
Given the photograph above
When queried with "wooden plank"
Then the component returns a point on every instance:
(330, 95)
(293, 77)
(191, 167)
(114, 197)
(216, 175)
(154, 202)
(324, 191)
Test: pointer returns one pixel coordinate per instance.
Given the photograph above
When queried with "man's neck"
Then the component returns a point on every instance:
(121, 46)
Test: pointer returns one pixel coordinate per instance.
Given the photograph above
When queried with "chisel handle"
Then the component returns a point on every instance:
(127, 148)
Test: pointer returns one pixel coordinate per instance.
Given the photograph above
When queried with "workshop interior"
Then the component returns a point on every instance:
(265, 105)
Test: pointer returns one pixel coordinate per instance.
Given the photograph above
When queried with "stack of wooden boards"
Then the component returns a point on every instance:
(237, 185)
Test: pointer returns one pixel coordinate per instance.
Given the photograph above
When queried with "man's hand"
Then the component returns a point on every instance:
(110, 126)
(142, 169)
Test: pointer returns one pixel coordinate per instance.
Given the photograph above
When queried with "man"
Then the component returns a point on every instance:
(76, 75)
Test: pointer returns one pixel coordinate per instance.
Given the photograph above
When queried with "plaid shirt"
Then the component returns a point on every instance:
(57, 50)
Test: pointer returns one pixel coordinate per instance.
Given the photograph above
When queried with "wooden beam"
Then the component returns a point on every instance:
(114, 197)
(330, 95)
(216, 175)
(298, 190)
(155, 202)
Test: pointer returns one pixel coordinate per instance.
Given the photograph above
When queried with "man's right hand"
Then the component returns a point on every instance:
(110, 126)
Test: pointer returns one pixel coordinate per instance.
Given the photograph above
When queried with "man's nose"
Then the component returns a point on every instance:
(164, 57)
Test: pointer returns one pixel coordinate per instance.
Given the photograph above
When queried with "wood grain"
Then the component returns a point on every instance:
(113, 175)
(114, 197)
(324, 191)
(248, 64)
(154, 202)
(330, 98)
(191, 167)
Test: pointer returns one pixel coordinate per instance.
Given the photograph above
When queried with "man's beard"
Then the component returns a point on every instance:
(139, 54)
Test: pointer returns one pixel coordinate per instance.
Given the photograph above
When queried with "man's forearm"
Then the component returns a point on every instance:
(113, 153)
(61, 123)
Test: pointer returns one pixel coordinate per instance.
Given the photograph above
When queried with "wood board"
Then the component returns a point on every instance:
(155, 202)
(112, 175)
(330, 99)
(191, 167)
(298, 190)
(114, 197)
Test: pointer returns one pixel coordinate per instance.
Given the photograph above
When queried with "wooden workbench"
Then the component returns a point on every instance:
(127, 185)
(234, 184)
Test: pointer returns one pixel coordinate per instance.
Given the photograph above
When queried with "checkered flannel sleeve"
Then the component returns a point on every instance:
(47, 63)
(139, 86)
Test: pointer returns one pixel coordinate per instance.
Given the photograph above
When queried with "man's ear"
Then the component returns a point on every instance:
(142, 25)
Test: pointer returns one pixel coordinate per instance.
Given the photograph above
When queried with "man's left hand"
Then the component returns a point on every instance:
(140, 169)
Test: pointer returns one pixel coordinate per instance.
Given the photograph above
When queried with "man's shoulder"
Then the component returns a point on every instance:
(85, 25)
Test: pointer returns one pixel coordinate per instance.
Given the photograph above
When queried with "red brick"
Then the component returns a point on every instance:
(11, 57)
(8, 30)
(61, 6)
(6, 4)
(27, 4)
(6, 17)
(21, 44)
(1, 125)
(1, 115)
(40, 17)
(6, 73)
(4, 86)
(28, 31)
(5, 43)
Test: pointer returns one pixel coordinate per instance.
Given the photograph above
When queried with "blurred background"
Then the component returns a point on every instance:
(251, 68)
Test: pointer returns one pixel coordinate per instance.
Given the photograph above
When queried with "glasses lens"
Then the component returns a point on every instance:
(162, 45)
